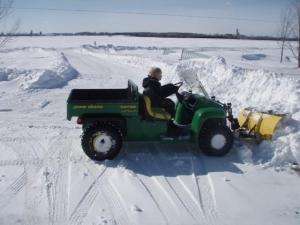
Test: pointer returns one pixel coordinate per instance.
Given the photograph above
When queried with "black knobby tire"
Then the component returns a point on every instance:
(210, 134)
(94, 131)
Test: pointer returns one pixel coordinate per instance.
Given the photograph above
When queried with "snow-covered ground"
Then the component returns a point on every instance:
(46, 179)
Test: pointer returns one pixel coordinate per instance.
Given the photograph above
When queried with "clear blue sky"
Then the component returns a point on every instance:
(53, 21)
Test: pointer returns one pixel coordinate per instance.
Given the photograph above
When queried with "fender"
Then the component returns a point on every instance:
(115, 119)
(205, 114)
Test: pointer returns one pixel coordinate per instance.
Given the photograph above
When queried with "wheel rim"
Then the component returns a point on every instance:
(218, 141)
(102, 142)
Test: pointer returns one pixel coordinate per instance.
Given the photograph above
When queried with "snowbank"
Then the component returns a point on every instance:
(252, 88)
(57, 75)
(11, 74)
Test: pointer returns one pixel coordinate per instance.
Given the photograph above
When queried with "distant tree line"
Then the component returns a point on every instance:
(11, 34)
(153, 34)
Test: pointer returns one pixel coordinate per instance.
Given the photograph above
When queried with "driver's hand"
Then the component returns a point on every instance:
(176, 87)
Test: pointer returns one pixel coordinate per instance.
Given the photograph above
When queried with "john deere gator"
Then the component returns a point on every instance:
(110, 117)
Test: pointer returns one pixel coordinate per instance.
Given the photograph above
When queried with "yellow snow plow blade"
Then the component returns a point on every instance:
(260, 125)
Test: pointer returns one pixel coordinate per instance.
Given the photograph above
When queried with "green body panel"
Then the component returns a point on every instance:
(179, 113)
(80, 109)
(203, 102)
(142, 130)
(201, 115)
(138, 130)
(206, 109)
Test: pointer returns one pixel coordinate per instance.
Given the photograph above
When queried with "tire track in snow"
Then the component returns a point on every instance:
(36, 162)
(32, 196)
(27, 161)
(182, 191)
(17, 185)
(49, 157)
(31, 163)
(21, 181)
(87, 200)
(60, 189)
(116, 203)
(99, 189)
(206, 203)
(153, 196)
(153, 192)
(201, 204)
(13, 189)
(19, 162)
(172, 194)
(57, 180)
(26, 137)
(205, 185)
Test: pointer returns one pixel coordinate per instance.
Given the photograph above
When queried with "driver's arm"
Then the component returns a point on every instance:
(167, 90)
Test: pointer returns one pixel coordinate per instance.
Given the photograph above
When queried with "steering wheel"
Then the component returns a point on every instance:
(186, 99)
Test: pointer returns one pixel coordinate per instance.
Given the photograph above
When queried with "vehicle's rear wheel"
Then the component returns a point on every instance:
(216, 140)
(101, 141)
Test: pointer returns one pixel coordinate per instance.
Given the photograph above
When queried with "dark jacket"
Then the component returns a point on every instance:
(152, 88)
(156, 92)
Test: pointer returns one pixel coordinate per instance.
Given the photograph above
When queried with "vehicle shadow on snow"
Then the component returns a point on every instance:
(172, 160)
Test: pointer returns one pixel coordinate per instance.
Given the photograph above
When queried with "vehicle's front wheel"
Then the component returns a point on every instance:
(216, 140)
(101, 141)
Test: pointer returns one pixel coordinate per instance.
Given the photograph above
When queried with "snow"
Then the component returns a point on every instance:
(10, 74)
(258, 88)
(45, 178)
(254, 56)
(58, 75)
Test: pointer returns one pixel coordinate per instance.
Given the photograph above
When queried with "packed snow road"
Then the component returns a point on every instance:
(45, 178)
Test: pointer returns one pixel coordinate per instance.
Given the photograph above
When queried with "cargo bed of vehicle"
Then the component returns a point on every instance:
(92, 101)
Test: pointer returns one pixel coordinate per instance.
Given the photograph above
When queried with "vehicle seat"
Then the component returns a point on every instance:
(158, 113)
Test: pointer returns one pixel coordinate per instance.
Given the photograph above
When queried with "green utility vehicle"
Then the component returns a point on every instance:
(110, 117)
